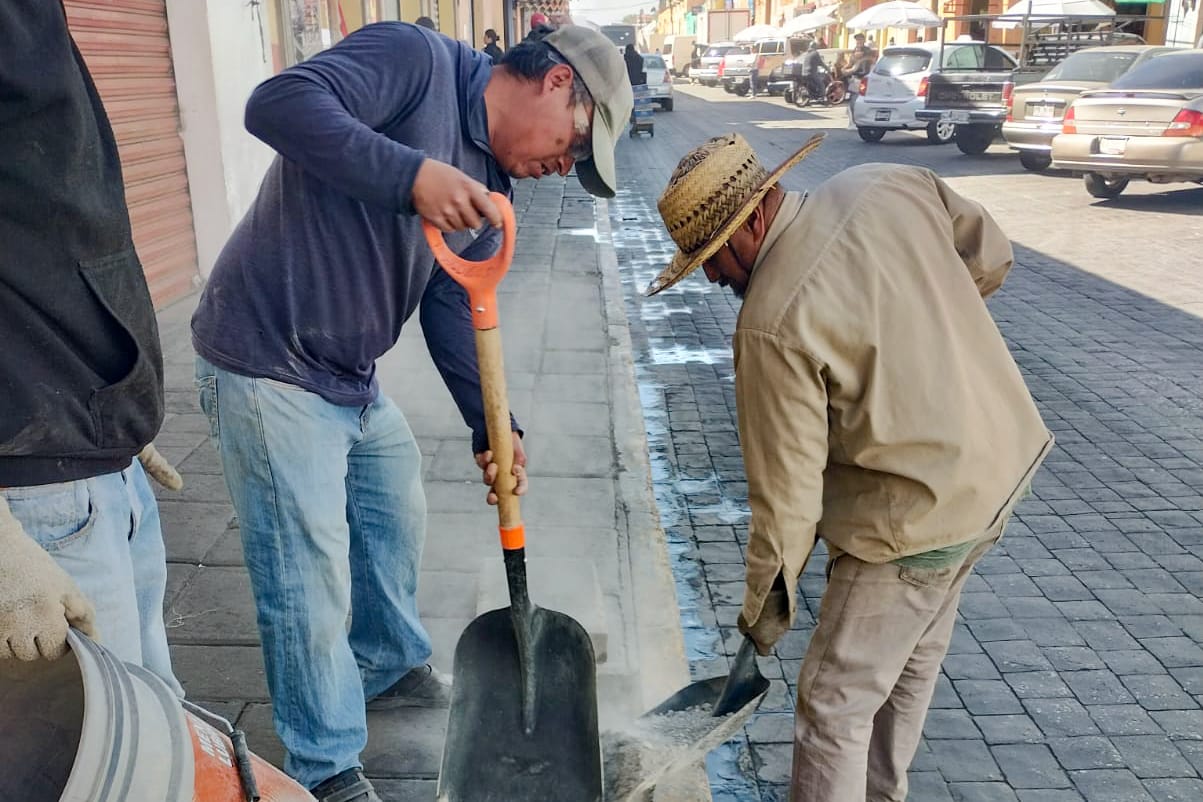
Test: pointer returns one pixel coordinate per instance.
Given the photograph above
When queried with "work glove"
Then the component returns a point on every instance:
(38, 600)
(773, 621)
(158, 468)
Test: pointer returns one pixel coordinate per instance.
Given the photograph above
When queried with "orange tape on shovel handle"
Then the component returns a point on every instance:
(480, 279)
(513, 538)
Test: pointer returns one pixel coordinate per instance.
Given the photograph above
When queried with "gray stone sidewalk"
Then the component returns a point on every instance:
(1076, 669)
(595, 547)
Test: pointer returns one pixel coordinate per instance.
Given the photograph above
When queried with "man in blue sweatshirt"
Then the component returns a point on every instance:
(394, 124)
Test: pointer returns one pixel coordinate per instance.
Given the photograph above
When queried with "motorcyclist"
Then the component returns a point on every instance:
(813, 70)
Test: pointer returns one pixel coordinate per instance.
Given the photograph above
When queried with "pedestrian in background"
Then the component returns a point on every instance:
(880, 410)
(426, 22)
(81, 371)
(539, 26)
(861, 62)
(314, 285)
(634, 62)
(491, 48)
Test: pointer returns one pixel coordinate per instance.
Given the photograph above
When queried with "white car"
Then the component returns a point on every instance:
(659, 80)
(706, 73)
(897, 86)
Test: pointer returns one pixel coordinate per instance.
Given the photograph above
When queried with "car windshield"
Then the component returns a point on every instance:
(722, 51)
(652, 62)
(902, 62)
(1166, 72)
(1093, 65)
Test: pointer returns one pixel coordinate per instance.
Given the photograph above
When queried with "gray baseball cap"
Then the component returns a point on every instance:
(596, 59)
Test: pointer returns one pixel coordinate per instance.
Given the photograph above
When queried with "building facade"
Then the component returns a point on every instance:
(175, 75)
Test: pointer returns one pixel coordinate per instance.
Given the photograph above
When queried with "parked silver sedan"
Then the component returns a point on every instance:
(1146, 124)
(659, 80)
(1036, 109)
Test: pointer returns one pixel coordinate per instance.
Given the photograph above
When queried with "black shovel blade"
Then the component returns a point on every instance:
(488, 755)
(732, 693)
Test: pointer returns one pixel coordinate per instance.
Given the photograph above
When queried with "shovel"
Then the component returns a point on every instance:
(523, 718)
(678, 732)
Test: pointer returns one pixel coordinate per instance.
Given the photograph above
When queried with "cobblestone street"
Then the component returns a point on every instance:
(1076, 668)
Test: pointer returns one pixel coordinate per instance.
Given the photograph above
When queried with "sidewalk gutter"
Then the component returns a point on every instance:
(659, 642)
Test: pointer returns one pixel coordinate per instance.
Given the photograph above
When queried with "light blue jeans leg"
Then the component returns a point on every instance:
(104, 532)
(386, 507)
(148, 557)
(287, 455)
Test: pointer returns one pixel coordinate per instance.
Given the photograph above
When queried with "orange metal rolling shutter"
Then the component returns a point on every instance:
(126, 46)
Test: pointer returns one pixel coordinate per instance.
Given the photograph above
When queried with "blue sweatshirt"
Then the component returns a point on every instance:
(329, 262)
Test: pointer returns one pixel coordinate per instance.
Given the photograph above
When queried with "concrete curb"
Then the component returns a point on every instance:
(656, 617)
(654, 623)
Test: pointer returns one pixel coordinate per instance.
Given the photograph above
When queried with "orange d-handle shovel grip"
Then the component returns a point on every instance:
(480, 279)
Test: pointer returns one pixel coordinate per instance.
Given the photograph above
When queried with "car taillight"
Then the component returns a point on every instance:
(923, 82)
(1069, 122)
(1009, 100)
(722, 65)
(863, 89)
(668, 78)
(1187, 123)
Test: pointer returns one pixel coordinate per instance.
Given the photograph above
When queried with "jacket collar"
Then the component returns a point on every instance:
(791, 206)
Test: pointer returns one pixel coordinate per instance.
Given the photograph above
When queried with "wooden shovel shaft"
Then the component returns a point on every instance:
(497, 420)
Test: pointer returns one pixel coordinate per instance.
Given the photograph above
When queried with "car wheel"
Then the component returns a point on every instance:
(788, 94)
(1034, 160)
(940, 132)
(1102, 187)
(870, 134)
(667, 105)
(972, 140)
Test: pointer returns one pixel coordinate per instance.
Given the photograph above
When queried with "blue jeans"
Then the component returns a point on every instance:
(104, 532)
(333, 517)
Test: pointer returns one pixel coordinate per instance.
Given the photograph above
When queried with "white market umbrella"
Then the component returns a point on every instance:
(819, 18)
(1044, 11)
(756, 33)
(894, 14)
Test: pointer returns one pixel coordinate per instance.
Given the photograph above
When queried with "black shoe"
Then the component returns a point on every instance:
(346, 786)
(425, 686)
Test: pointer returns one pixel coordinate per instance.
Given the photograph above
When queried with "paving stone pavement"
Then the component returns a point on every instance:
(589, 513)
(1076, 668)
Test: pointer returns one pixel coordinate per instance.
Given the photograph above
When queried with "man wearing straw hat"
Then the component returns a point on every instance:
(880, 410)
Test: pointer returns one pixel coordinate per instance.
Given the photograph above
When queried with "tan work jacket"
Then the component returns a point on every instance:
(878, 405)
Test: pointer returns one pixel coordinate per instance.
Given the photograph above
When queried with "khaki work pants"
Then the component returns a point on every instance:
(869, 674)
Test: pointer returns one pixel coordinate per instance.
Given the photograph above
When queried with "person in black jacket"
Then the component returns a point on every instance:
(635, 72)
(812, 70)
(491, 48)
(81, 372)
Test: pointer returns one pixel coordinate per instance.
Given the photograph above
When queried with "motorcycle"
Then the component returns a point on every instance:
(832, 90)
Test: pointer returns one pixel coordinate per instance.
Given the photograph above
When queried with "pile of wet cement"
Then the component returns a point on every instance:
(651, 748)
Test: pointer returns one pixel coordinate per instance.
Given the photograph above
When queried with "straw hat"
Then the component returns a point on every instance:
(711, 193)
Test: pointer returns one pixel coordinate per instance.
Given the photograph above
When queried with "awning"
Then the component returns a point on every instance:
(819, 18)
